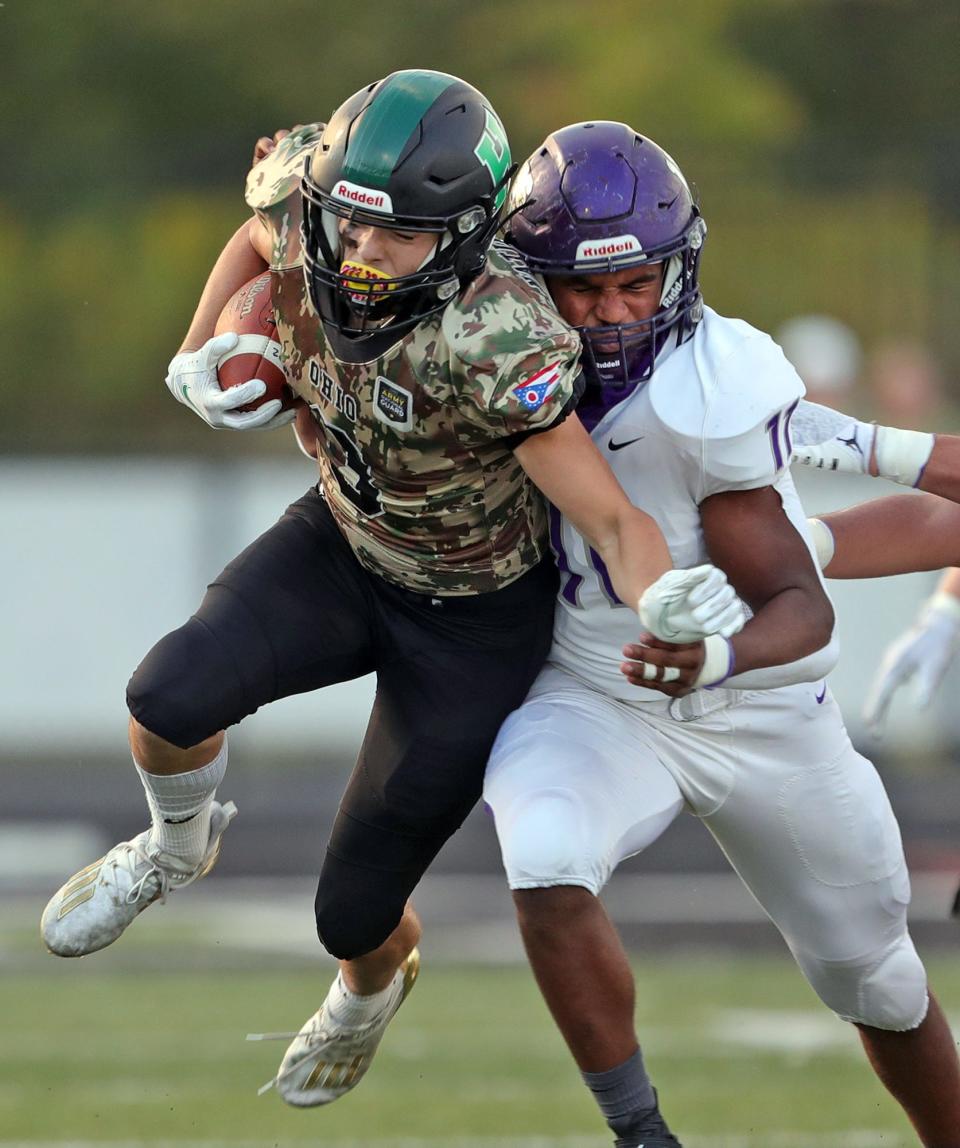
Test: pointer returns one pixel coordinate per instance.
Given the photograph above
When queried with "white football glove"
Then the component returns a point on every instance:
(687, 605)
(826, 439)
(192, 380)
(923, 653)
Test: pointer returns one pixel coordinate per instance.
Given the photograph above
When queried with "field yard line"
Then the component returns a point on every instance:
(864, 1138)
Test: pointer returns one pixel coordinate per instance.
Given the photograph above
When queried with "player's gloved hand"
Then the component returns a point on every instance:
(922, 654)
(690, 614)
(826, 439)
(192, 380)
(687, 605)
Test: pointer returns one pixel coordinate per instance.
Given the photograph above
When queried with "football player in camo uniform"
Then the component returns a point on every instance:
(693, 412)
(439, 383)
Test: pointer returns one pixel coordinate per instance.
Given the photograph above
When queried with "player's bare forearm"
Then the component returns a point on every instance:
(793, 624)
(566, 465)
(895, 535)
(749, 536)
(634, 552)
(941, 475)
(240, 260)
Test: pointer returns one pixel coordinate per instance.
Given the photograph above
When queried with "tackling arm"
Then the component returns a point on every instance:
(566, 466)
(749, 537)
(564, 463)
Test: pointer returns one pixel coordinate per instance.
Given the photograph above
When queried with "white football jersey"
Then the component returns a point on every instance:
(714, 416)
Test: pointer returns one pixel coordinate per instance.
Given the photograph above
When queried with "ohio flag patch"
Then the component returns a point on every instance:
(535, 391)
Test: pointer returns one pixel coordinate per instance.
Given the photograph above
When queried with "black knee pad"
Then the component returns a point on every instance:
(188, 687)
(357, 909)
(374, 861)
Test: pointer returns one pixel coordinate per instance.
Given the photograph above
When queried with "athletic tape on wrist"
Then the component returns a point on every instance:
(718, 661)
(902, 454)
(823, 542)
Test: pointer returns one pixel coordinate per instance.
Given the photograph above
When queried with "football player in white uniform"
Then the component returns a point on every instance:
(693, 412)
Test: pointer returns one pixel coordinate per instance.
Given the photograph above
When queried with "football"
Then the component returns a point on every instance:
(249, 314)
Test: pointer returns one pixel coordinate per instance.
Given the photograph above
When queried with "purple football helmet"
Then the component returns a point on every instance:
(598, 197)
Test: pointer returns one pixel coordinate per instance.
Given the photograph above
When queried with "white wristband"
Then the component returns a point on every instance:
(718, 661)
(823, 543)
(902, 454)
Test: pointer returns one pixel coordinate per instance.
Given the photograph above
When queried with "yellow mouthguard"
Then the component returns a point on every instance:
(364, 280)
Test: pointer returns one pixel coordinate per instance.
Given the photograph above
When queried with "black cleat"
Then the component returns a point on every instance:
(667, 1141)
(652, 1132)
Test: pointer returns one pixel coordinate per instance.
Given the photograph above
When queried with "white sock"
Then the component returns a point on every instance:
(350, 1009)
(180, 807)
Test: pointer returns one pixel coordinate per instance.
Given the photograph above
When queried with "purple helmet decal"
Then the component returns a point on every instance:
(597, 197)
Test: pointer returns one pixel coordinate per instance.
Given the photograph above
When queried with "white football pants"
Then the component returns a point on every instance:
(578, 781)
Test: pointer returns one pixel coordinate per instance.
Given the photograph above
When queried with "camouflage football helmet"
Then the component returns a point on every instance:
(419, 151)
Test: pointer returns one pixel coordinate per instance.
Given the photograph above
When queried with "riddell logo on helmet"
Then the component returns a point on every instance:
(363, 196)
(608, 248)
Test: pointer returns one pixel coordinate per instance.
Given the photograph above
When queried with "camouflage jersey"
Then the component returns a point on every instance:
(415, 442)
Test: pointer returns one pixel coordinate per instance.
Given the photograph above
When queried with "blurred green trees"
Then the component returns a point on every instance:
(823, 136)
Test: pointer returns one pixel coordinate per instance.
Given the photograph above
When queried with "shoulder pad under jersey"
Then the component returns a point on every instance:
(273, 179)
(728, 402)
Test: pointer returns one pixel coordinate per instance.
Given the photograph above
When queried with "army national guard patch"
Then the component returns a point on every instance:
(393, 404)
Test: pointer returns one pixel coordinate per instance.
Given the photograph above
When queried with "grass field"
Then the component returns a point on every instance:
(144, 1045)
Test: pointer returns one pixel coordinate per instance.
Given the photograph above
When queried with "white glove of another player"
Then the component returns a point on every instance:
(192, 380)
(687, 605)
(923, 653)
(826, 439)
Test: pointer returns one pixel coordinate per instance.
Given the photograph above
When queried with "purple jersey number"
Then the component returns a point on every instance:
(778, 428)
(570, 582)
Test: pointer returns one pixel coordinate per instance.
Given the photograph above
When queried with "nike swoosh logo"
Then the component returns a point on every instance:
(620, 445)
(820, 696)
(186, 397)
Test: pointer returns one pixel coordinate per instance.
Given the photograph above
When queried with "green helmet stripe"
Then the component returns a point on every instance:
(398, 106)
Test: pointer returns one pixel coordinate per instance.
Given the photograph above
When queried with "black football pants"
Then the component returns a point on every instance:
(295, 612)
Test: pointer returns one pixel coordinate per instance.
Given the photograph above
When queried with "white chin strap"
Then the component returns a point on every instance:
(435, 250)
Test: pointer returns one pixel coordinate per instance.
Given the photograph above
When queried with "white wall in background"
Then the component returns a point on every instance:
(100, 558)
